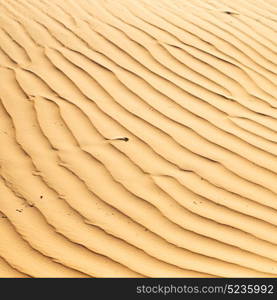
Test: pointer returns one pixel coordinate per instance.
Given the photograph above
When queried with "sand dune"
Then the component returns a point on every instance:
(138, 138)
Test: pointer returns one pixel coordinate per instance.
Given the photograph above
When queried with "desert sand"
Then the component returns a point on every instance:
(138, 138)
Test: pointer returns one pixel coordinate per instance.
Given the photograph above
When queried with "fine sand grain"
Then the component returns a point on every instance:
(138, 138)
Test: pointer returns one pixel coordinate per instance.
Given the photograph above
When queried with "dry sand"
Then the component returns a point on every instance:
(138, 138)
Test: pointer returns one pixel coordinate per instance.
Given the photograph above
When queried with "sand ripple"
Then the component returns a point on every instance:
(138, 138)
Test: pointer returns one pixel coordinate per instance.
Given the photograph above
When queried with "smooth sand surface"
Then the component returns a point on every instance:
(138, 138)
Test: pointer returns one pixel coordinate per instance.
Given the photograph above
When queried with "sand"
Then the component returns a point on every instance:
(138, 138)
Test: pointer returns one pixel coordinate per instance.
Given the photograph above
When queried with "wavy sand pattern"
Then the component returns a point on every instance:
(138, 138)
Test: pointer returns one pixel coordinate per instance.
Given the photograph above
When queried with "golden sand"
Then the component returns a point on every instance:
(138, 138)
